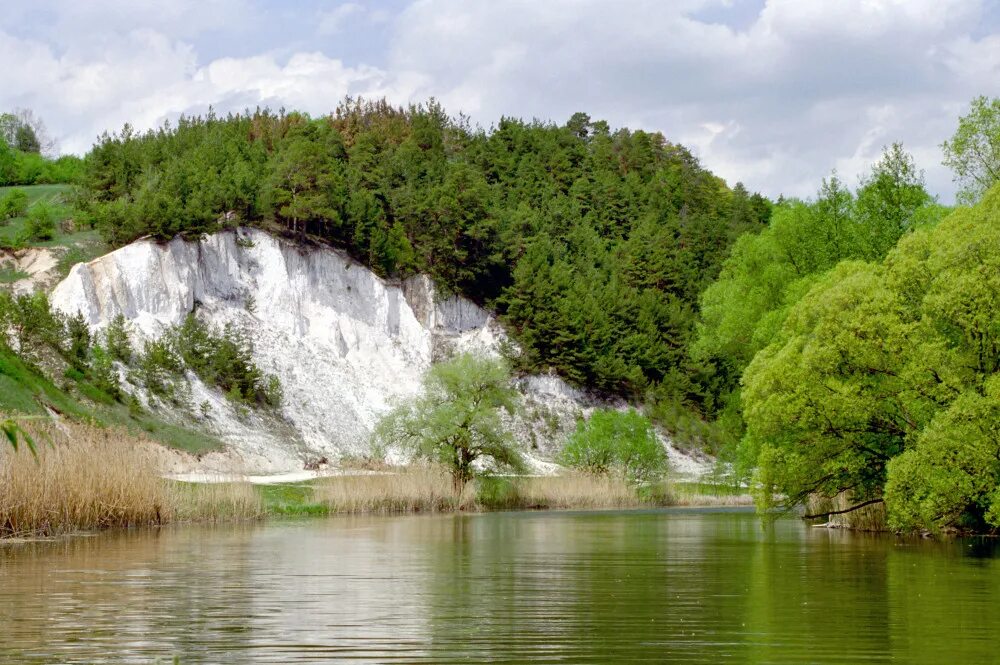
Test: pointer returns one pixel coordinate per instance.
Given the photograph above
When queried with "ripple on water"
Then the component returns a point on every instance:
(697, 587)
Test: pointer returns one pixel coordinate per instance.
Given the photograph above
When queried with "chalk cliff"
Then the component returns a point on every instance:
(345, 343)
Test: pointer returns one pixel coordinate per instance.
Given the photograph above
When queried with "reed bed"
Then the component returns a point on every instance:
(84, 477)
(416, 489)
(215, 502)
(869, 518)
(572, 490)
(707, 495)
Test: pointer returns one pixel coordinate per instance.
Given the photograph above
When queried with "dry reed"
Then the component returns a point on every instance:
(84, 477)
(574, 490)
(415, 489)
(87, 477)
(227, 501)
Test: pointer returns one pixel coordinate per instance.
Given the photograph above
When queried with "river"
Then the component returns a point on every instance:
(691, 586)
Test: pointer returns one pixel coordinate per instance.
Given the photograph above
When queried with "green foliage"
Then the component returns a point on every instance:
(592, 244)
(117, 343)
(14, 434)
(220, 358)
(883, 379)
(41, 222)
(973, 153)
(26, 140)
(616, 441)
(13, 204)
(457, 422)
(951, 475)
(768, 273)
(21, 163)
(158, 365)
(224, 358)
(28, 325)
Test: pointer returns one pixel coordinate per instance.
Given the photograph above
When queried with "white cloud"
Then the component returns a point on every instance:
(334, 20)
(776, 100)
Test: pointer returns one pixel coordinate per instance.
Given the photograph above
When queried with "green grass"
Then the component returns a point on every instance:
(292, 499)
(10, 275)
(24, 390)
(82, 245)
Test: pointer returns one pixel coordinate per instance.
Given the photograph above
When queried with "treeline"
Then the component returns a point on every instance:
(856, 343)
(592, 244)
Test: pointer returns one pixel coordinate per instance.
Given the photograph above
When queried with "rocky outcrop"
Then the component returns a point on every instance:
(37, 268)
(346, 344)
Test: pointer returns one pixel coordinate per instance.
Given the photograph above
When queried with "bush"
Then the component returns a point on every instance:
(616, 442)
(41, 222)
(13, 204)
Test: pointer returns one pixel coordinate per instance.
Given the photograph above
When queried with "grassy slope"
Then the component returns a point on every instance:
(81, 245)
(24, 391)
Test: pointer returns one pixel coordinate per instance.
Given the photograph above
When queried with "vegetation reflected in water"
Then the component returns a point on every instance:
(680, 585)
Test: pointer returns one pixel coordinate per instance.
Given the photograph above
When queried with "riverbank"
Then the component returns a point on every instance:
(88, 478)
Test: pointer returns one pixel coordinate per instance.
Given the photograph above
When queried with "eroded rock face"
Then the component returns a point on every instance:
(345, 343)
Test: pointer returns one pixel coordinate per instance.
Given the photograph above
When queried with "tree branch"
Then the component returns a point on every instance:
(845, 510)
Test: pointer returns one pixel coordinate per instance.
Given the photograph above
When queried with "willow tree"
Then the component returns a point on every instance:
(458, 420)
(973, 153)
(890, 373)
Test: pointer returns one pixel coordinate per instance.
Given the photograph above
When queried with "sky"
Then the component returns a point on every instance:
(772, 93)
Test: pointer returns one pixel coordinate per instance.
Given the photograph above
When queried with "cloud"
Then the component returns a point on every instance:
(805, 87)
(334, 20)
(772, 93)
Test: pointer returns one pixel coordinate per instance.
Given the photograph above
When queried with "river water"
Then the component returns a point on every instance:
(695, 586)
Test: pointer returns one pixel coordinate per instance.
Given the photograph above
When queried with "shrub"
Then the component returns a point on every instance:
(616, 442)
(41, 222)
(13, 204)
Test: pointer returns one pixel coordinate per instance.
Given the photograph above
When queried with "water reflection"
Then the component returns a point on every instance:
(683, 586)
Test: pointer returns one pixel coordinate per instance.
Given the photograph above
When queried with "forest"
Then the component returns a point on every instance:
(592, 244)
(846, 345)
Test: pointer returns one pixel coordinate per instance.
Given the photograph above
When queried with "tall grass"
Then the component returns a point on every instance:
(83, 478)
(228, 501)
(87, 477)
(415, 489)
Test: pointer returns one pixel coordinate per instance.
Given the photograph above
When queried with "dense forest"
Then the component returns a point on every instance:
(858, 341)
(592, 244)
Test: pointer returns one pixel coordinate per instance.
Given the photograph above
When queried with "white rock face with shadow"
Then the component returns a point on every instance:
(346, 344)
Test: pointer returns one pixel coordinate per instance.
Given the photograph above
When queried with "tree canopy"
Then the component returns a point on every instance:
(457, 422)
(768, 273)
(973, 153)
(882, 381)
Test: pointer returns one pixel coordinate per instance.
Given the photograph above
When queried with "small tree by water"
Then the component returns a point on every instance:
(458, 420)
